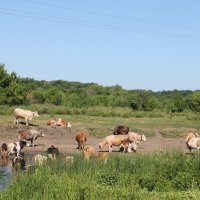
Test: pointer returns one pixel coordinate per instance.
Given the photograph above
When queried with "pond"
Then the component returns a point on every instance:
(5, 176)
(7, 171)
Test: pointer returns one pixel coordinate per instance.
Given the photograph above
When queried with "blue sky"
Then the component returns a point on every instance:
(138, 44)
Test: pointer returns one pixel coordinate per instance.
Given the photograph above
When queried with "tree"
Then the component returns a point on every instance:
(194, 101)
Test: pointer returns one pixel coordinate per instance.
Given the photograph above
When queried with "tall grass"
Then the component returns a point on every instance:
(99, 111)
(171, 175)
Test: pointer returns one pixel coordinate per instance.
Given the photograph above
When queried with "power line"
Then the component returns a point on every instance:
(72, 21)
(112, 16)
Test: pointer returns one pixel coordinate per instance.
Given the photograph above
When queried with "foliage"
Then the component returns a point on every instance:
(15, 91)
(171, 175)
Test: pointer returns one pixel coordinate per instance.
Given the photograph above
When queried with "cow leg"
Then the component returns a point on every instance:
(110, 148)
(16, 121)
(26, 122)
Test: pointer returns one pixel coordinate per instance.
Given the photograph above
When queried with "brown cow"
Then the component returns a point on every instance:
(81, 138)
(121, 130)
(90, 151)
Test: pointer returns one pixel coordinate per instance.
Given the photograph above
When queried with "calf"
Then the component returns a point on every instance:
(81, 138)
(89, 151)
(121, 130)
(134, 140)
(12, 148)
(136, 137)
(115, 140)
(24, 114)
(30, 135)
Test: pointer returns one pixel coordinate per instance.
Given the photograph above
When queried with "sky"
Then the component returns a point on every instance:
(137, 44)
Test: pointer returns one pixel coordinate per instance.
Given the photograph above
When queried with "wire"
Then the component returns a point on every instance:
(72, 21)
(112, 16)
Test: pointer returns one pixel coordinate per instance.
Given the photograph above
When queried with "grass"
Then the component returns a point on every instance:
(171, 175)
(173, 125)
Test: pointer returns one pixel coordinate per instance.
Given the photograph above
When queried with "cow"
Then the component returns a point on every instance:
(134, 140)
(121, 130)
(192, 141)
(115, 140)
(90, 151)
(12, 148)
(132, 146)
(24, 114)
(53, 152)
(19, 161)
(136, 137)
(30, 135)
(81, 138)
(59, 122)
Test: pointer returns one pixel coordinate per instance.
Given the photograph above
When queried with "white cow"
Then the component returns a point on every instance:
(24, 114)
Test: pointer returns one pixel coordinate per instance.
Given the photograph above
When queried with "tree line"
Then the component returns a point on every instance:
(25, 91)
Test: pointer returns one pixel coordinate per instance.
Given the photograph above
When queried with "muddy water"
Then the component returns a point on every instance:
(7, 171)
(5, 176)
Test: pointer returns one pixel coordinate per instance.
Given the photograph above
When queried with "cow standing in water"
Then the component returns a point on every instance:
(12, 148)
(24, 114)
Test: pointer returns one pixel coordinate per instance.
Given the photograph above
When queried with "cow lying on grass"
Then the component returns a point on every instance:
(24, 114)
(59, 122)
(30, 135)
(115, 140)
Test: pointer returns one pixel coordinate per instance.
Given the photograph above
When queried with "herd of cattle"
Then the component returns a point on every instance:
(127, 141)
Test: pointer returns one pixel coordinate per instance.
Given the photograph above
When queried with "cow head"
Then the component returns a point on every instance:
(100, 145)
(22, 144)
(143, 138)
(4, 151)
(35, 114)
(41, 133)
(69, 125)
